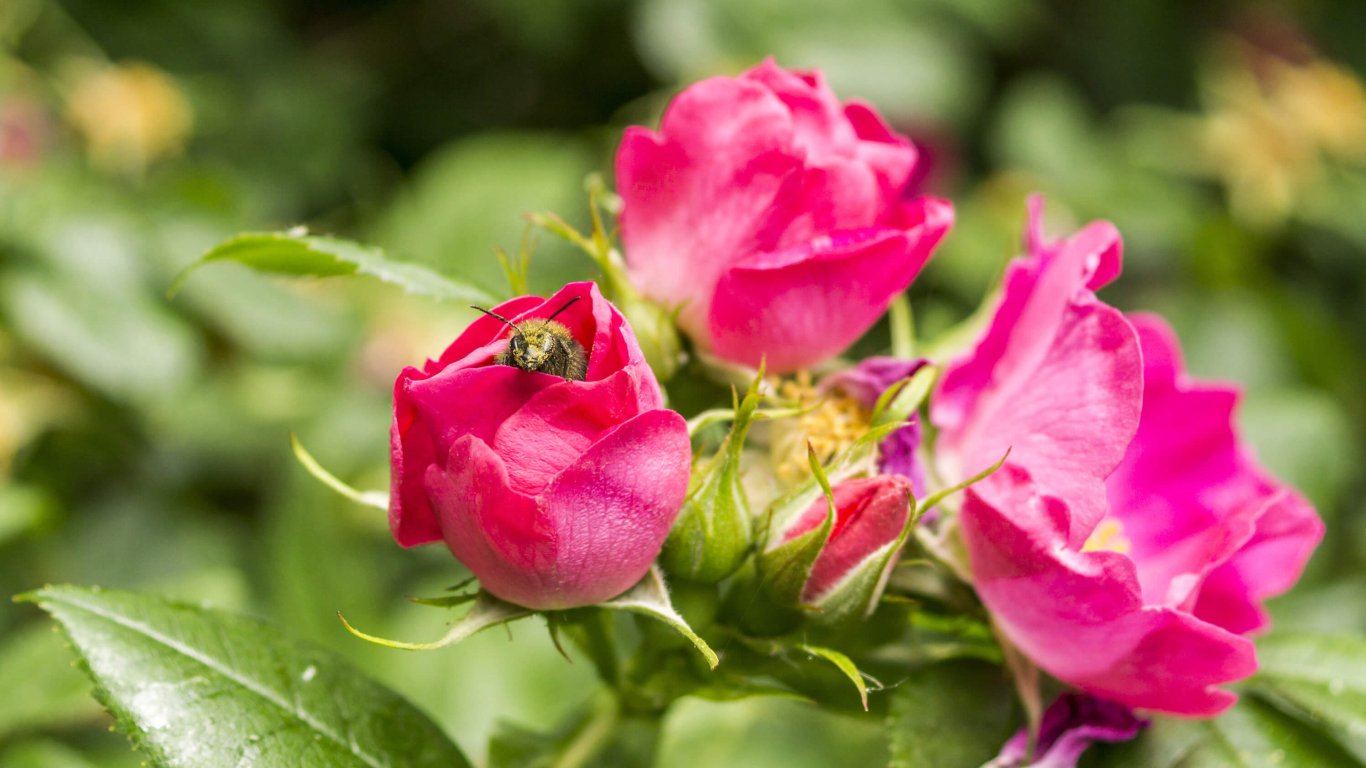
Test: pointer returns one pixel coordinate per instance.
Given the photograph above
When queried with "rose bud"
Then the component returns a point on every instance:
(872, 517)
(775, 218)
(714, 532)
(555, 492)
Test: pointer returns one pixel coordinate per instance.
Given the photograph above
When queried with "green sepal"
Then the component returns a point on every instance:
(845, 665)
(650, 598)
(858, 594)
(783, 569)
(655, 326)
(487, 611)
(715, 530)
(900, 401)
(375, 499)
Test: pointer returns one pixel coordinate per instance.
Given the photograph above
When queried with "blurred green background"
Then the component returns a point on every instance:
(144, 441)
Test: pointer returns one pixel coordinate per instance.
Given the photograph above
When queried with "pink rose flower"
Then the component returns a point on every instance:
(870, 515)
(1061, 379)
(554, 493)
(774, 215)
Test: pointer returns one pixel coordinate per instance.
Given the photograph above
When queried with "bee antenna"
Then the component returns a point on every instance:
(493, 314)
(567, 305)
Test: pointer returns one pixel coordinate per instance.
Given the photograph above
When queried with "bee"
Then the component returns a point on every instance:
(543, 345)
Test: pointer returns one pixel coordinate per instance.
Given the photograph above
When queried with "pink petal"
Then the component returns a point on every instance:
(499, 534)
(701, 190)
(612, 509)
(432, 411)
(870, 514)
(1056, 379)
(554, 427)
(1195, 505)
(1080, 615)
(803, 305)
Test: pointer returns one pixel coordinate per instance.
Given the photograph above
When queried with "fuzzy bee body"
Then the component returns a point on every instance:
(544, 346)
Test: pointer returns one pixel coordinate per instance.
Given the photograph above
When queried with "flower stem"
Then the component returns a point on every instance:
(595, 734)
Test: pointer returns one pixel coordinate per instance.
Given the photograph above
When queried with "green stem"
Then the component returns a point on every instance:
(902, 324)
(596, 734)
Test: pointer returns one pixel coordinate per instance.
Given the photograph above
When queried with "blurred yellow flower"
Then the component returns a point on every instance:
(1270, 130)
(129, 115)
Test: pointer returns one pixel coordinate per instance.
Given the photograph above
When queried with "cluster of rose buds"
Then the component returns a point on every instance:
(1125, 544)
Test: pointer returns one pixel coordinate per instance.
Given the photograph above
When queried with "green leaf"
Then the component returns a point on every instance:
(1319, 678)
(196, 687)
(845, 665)
(1251, 735)
(956, 714)
(299, 254)
(651, 598)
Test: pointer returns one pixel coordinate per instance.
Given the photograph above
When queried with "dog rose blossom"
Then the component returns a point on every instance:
(554, 493)
(1123, 555)
(775, 217)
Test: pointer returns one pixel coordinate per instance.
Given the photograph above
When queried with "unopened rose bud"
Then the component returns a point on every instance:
(872, 516)
(715, 530)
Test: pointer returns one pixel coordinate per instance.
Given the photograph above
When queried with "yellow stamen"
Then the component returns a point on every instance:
(1108, 537)
(830, 422)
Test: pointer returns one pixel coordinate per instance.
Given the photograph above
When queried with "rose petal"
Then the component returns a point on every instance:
(798, 307)
(499, 534)
(1080, 616)
(612, 509)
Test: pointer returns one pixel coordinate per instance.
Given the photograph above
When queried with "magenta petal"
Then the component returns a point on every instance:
(497, 533)
(1065, 412)
(1209, 528)
(1080, 616)
(798, 307)
(482, 332)
(429, 413)
(612, 509)
(553, 428)
(1070, 724)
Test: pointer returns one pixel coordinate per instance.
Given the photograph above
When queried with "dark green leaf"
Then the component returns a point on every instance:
(197, 687)
(956, 713)
(1321, 678)
(290, 253)
(1251, 735)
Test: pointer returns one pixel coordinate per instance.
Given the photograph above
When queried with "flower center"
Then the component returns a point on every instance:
(830, 422)
(1108, 537)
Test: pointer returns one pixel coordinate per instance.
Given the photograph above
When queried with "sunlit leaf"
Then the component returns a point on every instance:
(300, 254)
(196, 687)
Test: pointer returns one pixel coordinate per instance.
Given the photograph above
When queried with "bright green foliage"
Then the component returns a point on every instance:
(196, 687)
(300, 254)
